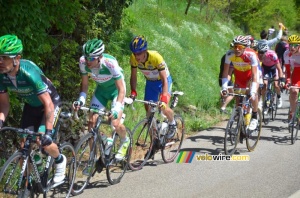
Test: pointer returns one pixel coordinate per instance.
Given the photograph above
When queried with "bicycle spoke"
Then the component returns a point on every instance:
(63, 189)
(172, 146)
(10, 175)
(141, 143)
(85, 163)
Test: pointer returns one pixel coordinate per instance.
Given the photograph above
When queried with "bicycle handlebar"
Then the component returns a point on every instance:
(19, 130)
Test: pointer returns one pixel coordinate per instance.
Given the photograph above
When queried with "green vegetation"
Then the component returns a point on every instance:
(191, 35)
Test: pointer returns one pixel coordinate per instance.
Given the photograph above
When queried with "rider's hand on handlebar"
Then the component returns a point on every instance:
(77, 105)
(224, 92)
(133, 94)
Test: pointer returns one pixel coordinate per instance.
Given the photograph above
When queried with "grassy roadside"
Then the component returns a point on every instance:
(192, 49)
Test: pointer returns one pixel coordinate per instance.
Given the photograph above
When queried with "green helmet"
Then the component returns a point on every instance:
(10, 45)
(94, 47)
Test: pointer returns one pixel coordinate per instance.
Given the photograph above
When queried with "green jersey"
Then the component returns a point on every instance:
(28, 84)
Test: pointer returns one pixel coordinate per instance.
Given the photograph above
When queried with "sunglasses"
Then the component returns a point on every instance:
(239, 47)
(2, 58)
(294, 45)
(90, 59)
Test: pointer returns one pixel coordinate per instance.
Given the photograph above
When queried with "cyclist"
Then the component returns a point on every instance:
(292, 60)
(245, 64)
(264, 36)
(158, 78)
(41, 109)
(271, 65)
(106, 72)
(281, 47)
(226, 99)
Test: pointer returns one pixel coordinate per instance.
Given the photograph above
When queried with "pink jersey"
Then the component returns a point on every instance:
(270, 58)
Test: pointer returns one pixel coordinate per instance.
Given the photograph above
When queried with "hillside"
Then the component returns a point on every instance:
(191, 47)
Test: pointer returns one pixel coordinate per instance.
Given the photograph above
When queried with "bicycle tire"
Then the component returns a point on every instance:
(252, 137)
(142, 143)
(171, 147)
(232, 132)
(64, 189)
(10, 174)
(116, 169)
(266, 117)
(84, 159)
(295, 126)
(274, 105)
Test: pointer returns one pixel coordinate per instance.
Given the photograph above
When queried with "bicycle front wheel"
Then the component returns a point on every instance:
(141, 143)
(232, 132)
(267, 108)
(9, 177)
(85, 163)
(116, 168)
(253, 136)
(274, 106)
(65, 188)
(294, 126)
(171, 147)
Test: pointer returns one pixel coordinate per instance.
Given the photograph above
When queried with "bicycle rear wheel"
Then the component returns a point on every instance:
(116, 169)
(9, 177)
(252, 137)
(232, 132)
(85, 163)
(65, 188)
(142, 142)
(171, 147)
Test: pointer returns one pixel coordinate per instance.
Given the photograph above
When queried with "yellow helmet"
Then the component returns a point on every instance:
(294, 39)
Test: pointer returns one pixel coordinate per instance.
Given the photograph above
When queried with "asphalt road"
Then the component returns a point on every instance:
(272, 171)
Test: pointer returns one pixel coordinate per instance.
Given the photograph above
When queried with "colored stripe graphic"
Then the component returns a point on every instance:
(185, 157)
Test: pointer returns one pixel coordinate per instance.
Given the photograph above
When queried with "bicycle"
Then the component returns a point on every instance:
(20, 174)
(87, 152)
(237, 126)
(270, 101)
(293, 124)
(149, 135)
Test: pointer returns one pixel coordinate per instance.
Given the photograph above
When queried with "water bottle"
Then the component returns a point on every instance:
(104, 139)
(247, 119)
(108, 145)
(38, 159)
(164, 128)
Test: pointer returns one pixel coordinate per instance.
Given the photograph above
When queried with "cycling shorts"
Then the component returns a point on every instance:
(153, 89)
(270, 72)
(33, 118)
(102, 96)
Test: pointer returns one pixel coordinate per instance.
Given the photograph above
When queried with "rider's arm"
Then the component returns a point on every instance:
(278, 66)
(133, 78)
(163, 77)
(277, 38)
(121, 89)
(49, 109)
(4, 105)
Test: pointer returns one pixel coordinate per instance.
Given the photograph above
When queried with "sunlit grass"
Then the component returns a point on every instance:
(192, 49)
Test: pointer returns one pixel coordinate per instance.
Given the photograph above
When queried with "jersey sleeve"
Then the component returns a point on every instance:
(82, 65)
(114, 68)
(34, 76)
(132, 61)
